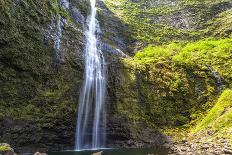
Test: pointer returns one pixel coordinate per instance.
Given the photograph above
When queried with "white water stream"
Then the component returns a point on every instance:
(90, 130)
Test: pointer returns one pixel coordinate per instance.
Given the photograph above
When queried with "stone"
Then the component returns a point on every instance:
(38, 153)
(184, 141)
(216, 152)
(77, 16)
(206, 146)
(98, 153)
(5, 149)
(227, 148)
(183, 149)
(227, 151)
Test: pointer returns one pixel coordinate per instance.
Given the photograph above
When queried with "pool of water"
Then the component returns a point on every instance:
(115, 152)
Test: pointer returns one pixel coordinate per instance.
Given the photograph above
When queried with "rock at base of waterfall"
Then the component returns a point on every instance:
(98, 153)
(38, 153)
(5, 149)
(227, 150)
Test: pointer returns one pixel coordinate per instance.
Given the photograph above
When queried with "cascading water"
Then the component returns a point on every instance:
(57, 41)
(90, 130)
(64, 4)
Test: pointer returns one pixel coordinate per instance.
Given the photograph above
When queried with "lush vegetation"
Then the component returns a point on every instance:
(179, 75)
(203, 54)
(181, 71)
(219, 118)
(179, 82)
(164, 21)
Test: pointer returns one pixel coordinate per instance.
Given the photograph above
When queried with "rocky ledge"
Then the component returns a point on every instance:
(200, 147)
(6, 149)
(184, 147)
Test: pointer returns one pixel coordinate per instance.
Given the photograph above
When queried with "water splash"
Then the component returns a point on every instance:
(90, 130)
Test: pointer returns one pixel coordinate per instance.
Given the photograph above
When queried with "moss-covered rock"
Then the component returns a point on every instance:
(219, 118)
(169, 86)
(166, 86)
(5, 149)
(170, 20)
(38, 98)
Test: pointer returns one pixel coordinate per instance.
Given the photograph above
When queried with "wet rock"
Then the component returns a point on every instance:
(227, 150)
(5, 149)
(38, 153)
(77, 16)
(109, 49)
(184, 140)
(210, 132)
(98, 153)
(200, 146)
(206, 146)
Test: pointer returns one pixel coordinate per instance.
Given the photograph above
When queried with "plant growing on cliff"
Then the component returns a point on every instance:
(166, 21)
(4, 148)
(206, 53)
(181, 75)
(220, 116)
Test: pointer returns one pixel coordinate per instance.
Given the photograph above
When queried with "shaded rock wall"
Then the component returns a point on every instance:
(39, 98)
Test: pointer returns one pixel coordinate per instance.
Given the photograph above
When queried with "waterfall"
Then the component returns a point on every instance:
(64, 4)
(90, 130)
(57, 40)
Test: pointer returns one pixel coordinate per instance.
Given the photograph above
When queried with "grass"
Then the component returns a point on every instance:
(208, 52)
(220, 116)
(215, 53)
(221, 25)
(146, 24)
(180, 78)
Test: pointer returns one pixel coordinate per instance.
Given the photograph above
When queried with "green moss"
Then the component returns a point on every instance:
(204, 53)
(221, 25)
(150, 21)
(32, 89)
(220, 116)
(162, 95)
(201, 54)
(4, 148)
(174, 83)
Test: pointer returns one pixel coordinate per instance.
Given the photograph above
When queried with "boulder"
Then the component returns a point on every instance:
(98, 153)
(227, 151)
(5, 149)
(38, 153)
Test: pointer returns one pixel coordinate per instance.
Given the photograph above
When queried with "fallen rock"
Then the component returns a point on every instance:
(184, 141)
(98, 153)
(227, 151)
(38, 153)
(5, 149)
(205, 146)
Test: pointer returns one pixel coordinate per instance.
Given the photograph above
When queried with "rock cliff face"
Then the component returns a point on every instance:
(39, 95)
(161, 93)
(156, 21)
